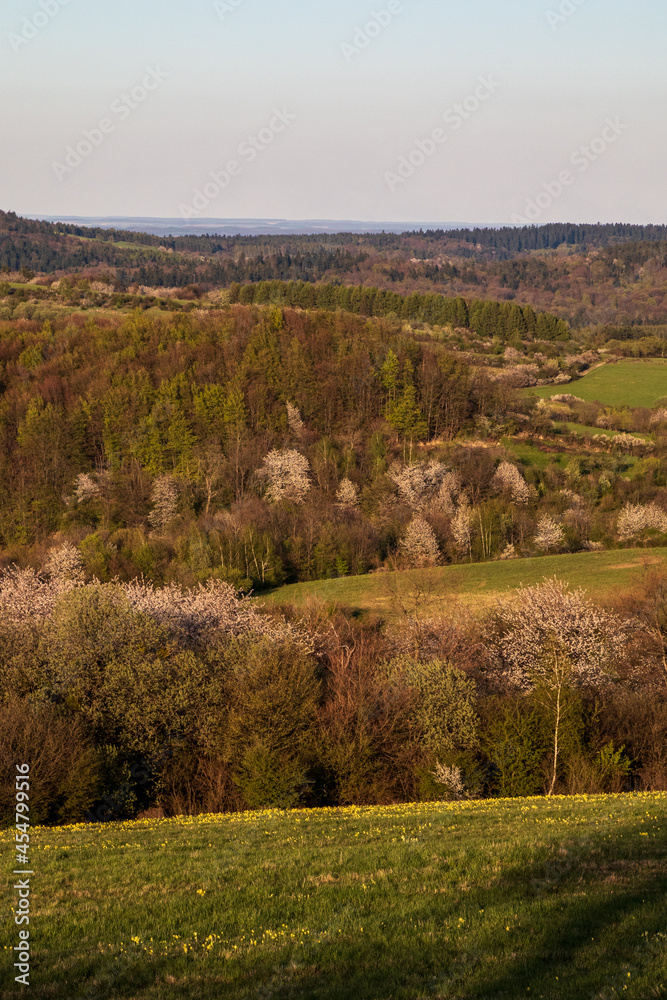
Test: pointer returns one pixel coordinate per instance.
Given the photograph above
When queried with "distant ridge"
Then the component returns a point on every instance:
(241, 227)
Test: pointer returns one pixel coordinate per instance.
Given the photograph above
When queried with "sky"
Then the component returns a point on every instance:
(475, 111)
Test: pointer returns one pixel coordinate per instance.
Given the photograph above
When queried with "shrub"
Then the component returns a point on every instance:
(269, 738)
(515, 746)
(64, 770)
(369, 749)
(444, 706)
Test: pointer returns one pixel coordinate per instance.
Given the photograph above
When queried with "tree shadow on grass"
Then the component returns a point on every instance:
(627, 925)
(561, 903)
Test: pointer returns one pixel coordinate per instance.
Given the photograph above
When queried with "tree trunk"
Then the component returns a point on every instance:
(556, 735)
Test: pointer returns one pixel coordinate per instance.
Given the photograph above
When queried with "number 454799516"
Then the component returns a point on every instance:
(22, 812)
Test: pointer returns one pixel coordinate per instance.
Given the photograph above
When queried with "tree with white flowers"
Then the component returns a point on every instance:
(591, 637)
(287, 475)
(294, 419)
(635, 519)
(418, 484)
(550, 534)
(420, 546)
(461, 525)
(347, 495)
(85, 487)
(550, 638)
(65, 563)
(164, 498)
(509, 481)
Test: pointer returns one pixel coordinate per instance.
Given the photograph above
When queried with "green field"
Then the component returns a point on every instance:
(476, 584)
(623, 383)
(547, 898)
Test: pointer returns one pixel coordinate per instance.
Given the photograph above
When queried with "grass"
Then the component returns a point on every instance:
(623, 383)
(545, 898)
(582, 430)
(531, 455)
(476, 584)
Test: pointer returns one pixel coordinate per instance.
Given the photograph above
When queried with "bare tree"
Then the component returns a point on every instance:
(164, 497)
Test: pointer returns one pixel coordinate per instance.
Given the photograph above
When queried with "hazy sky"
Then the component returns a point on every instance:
(514, 90)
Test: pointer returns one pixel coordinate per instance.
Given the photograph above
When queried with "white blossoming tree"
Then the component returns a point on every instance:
(164, 498)
(550, 638)
(85, 488)
(550, 534)
(419, 484)
(461, 526)
(29, 598)
(347, 495)
(509, 481)
(419, 545)
(65, 563)
(637, 519)
(294, 419)
(287, 475)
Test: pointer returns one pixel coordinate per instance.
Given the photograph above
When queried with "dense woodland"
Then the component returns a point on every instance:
(101, 418)
(585, 275)
(165, 447)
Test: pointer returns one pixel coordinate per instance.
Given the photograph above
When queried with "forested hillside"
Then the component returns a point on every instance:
(588, 276)
(263, 444)
(165, 447)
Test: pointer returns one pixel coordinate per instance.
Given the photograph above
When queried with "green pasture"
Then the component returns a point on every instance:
(621, 383)
(556, 899)
(476, 585)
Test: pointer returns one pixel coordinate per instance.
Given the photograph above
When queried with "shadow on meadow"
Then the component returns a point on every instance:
(566, 944)
(578, 924)
(556, 960)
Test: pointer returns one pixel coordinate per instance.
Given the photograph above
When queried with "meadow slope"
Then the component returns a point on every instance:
(476, 584)
(623, 383)
(545, 898)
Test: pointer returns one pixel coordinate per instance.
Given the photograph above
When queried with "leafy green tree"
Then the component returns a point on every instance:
(269, 739)
(445, 703)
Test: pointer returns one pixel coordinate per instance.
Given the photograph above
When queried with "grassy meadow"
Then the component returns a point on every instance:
(623, 383)
(475, 584)
(547, 898)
